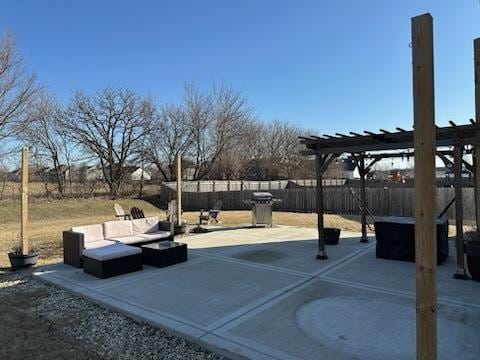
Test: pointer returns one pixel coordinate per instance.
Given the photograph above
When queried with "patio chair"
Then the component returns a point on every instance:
(211, 214)
(137, 213)
(120, 213)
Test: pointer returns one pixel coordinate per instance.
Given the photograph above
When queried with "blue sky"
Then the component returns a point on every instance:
(326, 65)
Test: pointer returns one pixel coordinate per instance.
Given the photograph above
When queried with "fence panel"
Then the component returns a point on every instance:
(398, 201)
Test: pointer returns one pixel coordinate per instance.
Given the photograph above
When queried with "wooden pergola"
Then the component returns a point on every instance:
(428, 141)
(452, 142)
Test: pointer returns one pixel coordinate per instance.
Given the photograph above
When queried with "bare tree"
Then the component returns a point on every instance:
(17, 89)
(109, 125)
(45, 134)
(219, 120)
(171, 135)
(198, 108)
(277, 153)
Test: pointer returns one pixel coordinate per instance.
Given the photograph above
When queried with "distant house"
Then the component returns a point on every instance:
(139, 174)
(441, 172)
(342, 168)
(448, 172)
(34, 174)
(188, 173)
(82, 173)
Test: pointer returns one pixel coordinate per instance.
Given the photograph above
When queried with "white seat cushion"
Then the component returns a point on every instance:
(90, 233)
(145, 226)
(156, 235)
(134, 239)
(99, 243)
(114, 229)
(110, 252)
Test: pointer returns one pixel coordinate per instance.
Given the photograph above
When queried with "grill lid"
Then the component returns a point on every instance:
(259, 196)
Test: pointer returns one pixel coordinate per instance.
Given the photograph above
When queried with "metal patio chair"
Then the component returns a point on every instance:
(211, 214)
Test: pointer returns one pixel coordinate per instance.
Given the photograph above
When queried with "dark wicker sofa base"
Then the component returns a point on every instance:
(108, 268)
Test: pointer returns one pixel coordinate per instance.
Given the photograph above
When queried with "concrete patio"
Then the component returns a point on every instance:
(261, 294)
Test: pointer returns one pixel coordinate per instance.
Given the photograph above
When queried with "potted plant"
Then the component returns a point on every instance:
(18, 260)
(180, 228)
(332, 235)
(472, 250)
(22, 254)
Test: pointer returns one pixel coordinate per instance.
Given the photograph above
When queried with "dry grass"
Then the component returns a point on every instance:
(10, 191)
(232, 218)
(49, 218)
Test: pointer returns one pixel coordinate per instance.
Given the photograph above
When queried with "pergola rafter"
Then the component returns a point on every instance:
(452, 135)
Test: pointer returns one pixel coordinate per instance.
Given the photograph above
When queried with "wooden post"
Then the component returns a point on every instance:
(425, 229)
(322, 253)
(24, 205)
(179, 189)
(460, 272)
(363, 198)
(476, 157)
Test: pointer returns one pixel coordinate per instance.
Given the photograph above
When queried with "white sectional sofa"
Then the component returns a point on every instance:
(130, 232)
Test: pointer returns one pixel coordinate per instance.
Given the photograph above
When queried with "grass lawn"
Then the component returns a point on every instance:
(49, 218)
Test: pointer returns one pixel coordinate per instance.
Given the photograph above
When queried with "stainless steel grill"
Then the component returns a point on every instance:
(261, 204)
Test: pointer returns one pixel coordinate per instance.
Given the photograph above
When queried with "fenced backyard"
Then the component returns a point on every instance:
(390, 201)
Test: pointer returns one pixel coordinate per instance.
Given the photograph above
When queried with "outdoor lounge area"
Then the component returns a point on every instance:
(259, 293)
(123, 246)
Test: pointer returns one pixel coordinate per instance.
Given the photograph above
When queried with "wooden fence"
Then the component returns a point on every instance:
(241, 185)
(337, 200)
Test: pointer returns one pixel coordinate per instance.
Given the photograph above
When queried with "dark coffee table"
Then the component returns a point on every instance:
(164, 253)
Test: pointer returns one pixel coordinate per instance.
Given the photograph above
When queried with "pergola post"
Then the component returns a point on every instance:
(460, 272)
(363, 201)
(476, 157)
(322, 162)
(322, 253)
(425, 222)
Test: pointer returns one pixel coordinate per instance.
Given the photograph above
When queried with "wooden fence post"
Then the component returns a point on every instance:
(24, 203)
(476, 158)
(425, 227)
(179, 189)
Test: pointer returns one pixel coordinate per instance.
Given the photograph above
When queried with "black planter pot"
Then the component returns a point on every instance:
(332, 235)
(180, 229)
(472, 250)
(18, 261)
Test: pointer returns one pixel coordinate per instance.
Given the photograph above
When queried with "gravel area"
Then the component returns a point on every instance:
(40, 321)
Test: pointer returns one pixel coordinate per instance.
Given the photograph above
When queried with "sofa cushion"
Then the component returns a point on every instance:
(114, 229)
(156, 235)
(145, 226)
(98, 243)
(133, 239)
(90, 232)
(109, 252)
